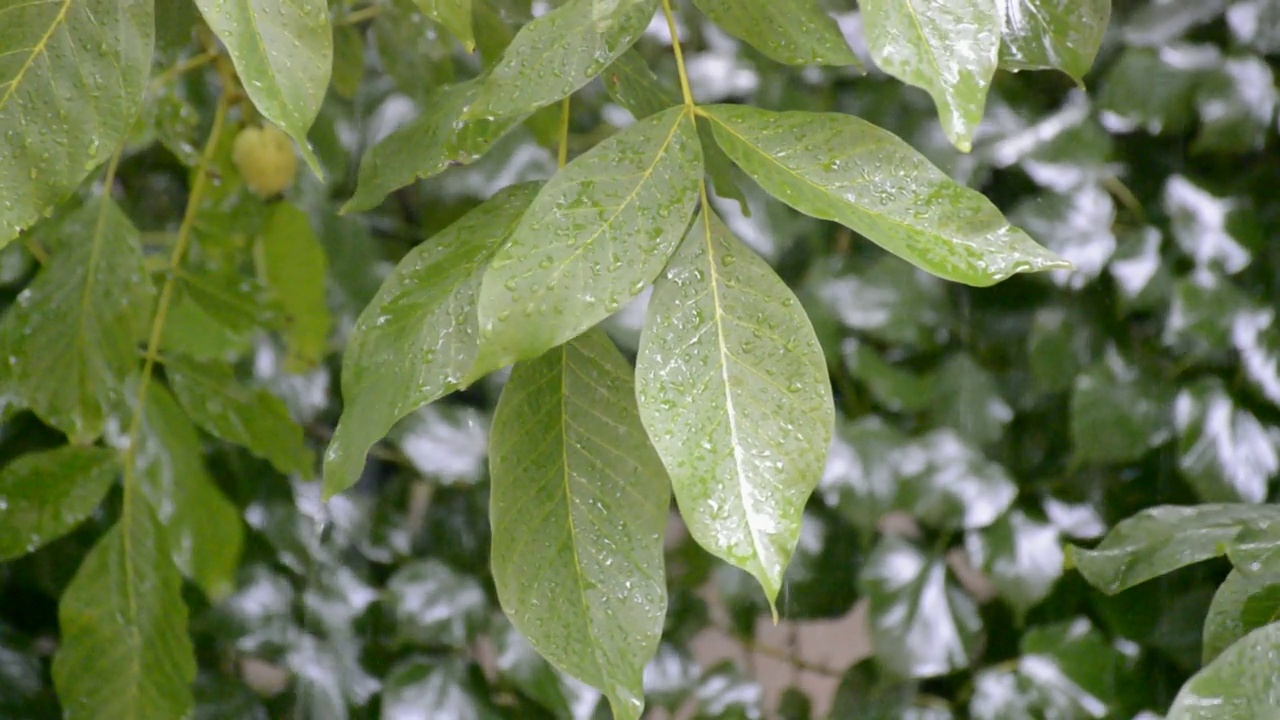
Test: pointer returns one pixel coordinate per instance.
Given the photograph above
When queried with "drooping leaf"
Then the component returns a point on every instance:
(596, 235)
(1240, 684)
(43, 495)
(948, 49)
(578, 505)
(560, 52)
(838, 167)
(1234, 611)
(252, 418)
(1053, 34)
(283, 54)
(454, 15)
(1162, 539)
(294, 268)
(1225, 453)
(1020, 555)
(125, 653)
(61, 120)
(418, 339)
(734, 394)
(71, 335)
(797, 32)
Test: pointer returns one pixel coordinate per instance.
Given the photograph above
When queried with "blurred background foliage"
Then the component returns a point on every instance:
(978, 430)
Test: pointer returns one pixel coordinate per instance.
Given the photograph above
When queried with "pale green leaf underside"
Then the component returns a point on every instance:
(294, 267)
(579, 506)
(283, 54)
(72, 73)
(454, 15)
(125, 653)
(559, 53)
(43, 495)
(794, 32)
(839, 167)
(734, 393)
(418, 339)
(1240, 684)
(949, 49)
(595, 236)
(1053, 34)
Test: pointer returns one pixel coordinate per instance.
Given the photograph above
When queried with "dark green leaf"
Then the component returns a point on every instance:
(413, 51)
(1074, 225)
(797, 32)
(734, 393)
(838, 167)
(866, 692)
(348, 60)
(443, 688)
(1204, 310)
(1256, 23)
(1245, 601)
(579, 504)
(1021, 556)
(1224, 452)
(893, 388)
(1256, 336)
(1149, 90)
(887, 299)
(454, 15)
(1053, 34)
(294, 267)
(520, 664)
(1240, 684)
(1117, 414)
(1236, 104)
(434, 605)
(966, 398)
(723, 693)
(596, 235)
(1202, 227)
(43, 495)
(1057, 348)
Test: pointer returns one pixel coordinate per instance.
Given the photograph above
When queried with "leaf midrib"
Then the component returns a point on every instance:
(37, 49)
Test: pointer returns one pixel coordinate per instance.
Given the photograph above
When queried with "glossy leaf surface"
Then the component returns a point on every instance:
(455, 15)
(1240, 684)
(43, 495)
(797, 32)
(1225, 452)
(1235, 609)
(1053, 34)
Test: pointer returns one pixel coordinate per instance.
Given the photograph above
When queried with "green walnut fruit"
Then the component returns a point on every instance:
(264, 156)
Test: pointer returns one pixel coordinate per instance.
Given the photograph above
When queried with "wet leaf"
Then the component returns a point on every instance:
(45, 494)
(294, 268)
(1256, 337)
(560, 52)
(867, 692)
(966, 398)
(948, 49)
(1224, 452)
(446, 688)
(838, 167)
(434, 605)
(734, 394)
(348, 60)
(1201, 224)
(1021, 556)
(1076, 226)
(1158, 22)
(794, 32)
(579, 505)
(1244, 602)
(1238, 685)
(1151, 90)
(922, 623)
(448, 444)
(454, 15)
(1236, 105)
(596, 235)
(418, 339)
(283, 55)
(61, 121)
(1117, 414)
(1052, 34)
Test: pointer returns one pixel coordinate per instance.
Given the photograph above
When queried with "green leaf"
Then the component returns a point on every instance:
(348, 60)
(72, 78)
(1150, 90)
(796, 32)
(440, 138)
(966, 398)
(446, 687)
(1204, 226)
(948, 49)
(125, 652)
(252, 418)
(418, 339)
(1245, 601)
(1053, 34)
(559, 53)
(1239, 685)
(1236, 105)
(71, 335)
(1256, 23)
(412, 50)
(1224, 452)
(596, 235)
(893, 388)
(838, 167)
(867, 692)
(1021, 556)
(454, 15)
(1117, 413)
(43, 495)
(294, 267)
(734, 394)
(434, 605)
(885, 298)
(1162, 539)
(579, 505)
(283, 55)
(1075, 225)
(203, 527)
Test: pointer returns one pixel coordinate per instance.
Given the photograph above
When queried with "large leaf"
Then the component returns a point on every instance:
(838, 167)
(294, 267)
(71, 337)
(560, 52)
(43, 495)
(1234, 609)
(418, 339)
(734, 393)
(1239, 685)
(1053, 34)
(579, 504)
(596, 235)
(283, 55)
(71, 77)
(1224, 452)
(454, 15)
(125, 653)
(795, 32)
(950, 49)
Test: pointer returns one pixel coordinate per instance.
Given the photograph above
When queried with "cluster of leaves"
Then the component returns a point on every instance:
(172, 329)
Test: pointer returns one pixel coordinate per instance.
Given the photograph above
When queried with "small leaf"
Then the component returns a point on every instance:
(454, 15)
(252, 418)
(596, 235)
(734, 394)
(560, 52)
(1162, 539)
(838, 167)
(1053, 34)
(1021, 556)
(1224, 452)
(1235, 609)
(44, 495)
(1240, 684)
(796, 32)
(294, 267)
(579, 504)
(418, 339)
(73, 77)
(125, 652)
(283, 54)
(949, 49)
